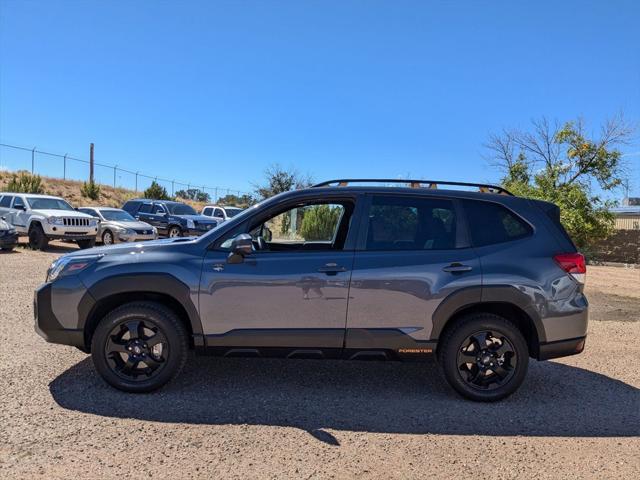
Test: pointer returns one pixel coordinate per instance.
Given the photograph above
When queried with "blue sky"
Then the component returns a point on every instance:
(213, 92)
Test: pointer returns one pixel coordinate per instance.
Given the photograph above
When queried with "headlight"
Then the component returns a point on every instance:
(55, 220)
(129, 231)
(190, 223)
(93, 222)
(69, 266)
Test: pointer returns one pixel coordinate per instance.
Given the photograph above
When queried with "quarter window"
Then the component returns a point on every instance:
(491, 223)
(411, 223)
(18, 202)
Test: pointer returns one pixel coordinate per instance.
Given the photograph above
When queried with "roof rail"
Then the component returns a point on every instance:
(432, 184)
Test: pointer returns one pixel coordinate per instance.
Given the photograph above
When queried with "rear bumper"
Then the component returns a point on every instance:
(46, 323)
(561, 348)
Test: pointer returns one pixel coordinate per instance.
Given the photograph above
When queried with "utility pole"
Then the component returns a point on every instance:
(91, 163)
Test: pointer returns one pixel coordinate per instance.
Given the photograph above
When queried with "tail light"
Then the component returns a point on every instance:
(573, 264)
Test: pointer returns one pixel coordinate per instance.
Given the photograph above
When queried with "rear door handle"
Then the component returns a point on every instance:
(457, 267)
(332, 269)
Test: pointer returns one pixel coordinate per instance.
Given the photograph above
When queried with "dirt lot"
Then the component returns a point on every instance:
(577, 417)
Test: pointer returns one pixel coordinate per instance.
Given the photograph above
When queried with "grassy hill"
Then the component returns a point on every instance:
(70, 190)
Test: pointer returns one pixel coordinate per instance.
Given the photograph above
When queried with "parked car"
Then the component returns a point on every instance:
(44, 218)
(482, 279)
(171, 219)
(221, 211)
(8, 236)
(115, 226)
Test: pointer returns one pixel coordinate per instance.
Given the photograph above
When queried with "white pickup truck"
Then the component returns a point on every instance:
(220, 211)
(43, 218)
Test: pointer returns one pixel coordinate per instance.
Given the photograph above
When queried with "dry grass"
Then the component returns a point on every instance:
(70, 191)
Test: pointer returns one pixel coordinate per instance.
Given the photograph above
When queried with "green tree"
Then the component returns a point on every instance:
(194, 194)
(241, 201)
(156, 192)
(279, 179)
(24, 182)
(90, 190)
(319, 222)
(562, 163)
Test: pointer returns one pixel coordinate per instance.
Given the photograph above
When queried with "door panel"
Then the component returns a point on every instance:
(400, 290)
(276, 299)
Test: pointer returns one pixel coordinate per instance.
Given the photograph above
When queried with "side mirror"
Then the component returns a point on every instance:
(241, 246)
(20, 207)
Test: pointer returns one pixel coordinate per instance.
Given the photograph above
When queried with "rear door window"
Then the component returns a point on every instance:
(491, 223)
(145, 208)
(411, 223)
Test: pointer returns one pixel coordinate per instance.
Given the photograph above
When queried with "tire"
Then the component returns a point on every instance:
(37, 239)
(114, 352)
(83, 244)
(174, 231)
(505, 350)
(108, 238)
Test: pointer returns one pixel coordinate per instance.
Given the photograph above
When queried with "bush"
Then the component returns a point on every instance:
(319, 222)
(90, 190)
(156, 192)
(25, 183)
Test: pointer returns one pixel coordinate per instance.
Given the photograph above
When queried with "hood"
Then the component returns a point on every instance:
(61, 213)
(198, 218)
(120, 248)
(135, 224)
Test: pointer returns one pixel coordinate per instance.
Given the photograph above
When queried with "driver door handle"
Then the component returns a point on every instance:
(332, 269)
(456, 267)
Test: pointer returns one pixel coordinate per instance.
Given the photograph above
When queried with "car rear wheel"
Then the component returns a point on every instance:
(175, 231)
(484, 357)
(37, 239)
(107, 237)
(139, 347)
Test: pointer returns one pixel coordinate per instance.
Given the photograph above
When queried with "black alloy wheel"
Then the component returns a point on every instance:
(136, 348)
(487, 360)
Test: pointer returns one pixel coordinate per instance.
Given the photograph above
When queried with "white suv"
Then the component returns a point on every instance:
(44, 218)
(220, 211)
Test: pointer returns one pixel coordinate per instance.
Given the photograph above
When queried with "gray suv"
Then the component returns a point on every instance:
(346, 269)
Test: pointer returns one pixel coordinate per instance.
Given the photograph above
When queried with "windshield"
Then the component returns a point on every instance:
(232, 211)
(37, 203)
(180, 209)
(117, 216)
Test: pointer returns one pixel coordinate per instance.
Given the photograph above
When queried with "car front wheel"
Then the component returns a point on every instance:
(107, 237)
(175, 232)
(139, 347)
(37, 239)
(484, 357)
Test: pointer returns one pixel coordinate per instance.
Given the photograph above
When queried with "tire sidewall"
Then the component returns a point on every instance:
(175, 336)
(453, 342)
(174, 228)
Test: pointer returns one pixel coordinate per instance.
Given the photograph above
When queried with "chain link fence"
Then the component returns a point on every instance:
(67, 167)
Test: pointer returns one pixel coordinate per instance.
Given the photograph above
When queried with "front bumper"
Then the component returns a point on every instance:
(9, 241)
(123, 238)
(46, 323)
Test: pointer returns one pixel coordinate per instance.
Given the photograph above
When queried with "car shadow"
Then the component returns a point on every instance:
(392, 397)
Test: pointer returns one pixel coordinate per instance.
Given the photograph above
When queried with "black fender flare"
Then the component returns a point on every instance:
(150, 283)
(475, 296)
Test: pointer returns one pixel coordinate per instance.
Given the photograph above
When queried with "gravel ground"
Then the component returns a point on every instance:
(577, 417)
